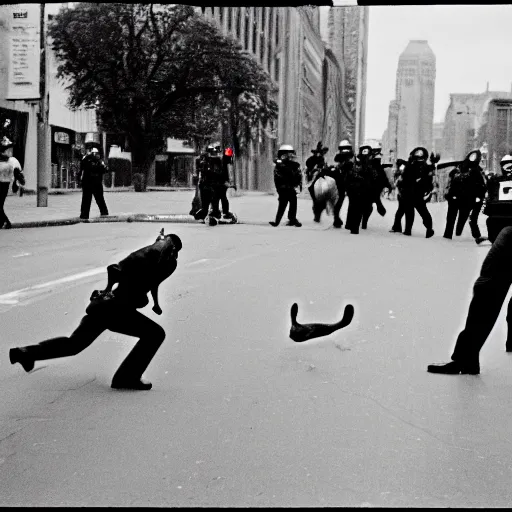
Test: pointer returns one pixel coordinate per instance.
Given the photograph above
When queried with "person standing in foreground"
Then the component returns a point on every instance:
(498, 207)
(287, 178)
(116, 310)
(92, 169)
(489, 293)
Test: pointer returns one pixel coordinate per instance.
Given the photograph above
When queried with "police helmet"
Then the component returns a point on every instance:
(345, 145)
(365, 150)
(419, 153)
(213, 148)
(285, 149)
(506, 163)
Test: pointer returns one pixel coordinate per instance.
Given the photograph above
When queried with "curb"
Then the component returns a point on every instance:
(176, 218)
(138, 217)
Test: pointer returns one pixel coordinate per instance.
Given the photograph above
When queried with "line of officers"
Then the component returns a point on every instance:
(362, 178)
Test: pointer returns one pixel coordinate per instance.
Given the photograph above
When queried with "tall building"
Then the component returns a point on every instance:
(321, 80)
(438, 145)
(415, 87)
(411, 114)
(348, 40)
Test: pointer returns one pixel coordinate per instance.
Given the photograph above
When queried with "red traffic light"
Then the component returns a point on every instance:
(228, 152)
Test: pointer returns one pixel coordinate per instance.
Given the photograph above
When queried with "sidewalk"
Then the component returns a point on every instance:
(126, 205)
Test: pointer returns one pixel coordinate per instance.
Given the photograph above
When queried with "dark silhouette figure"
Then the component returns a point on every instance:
(116, 310)
(304, 332)
(92, 169)
(489, 292)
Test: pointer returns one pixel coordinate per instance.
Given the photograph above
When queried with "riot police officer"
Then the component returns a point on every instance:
(465, 194)
(287, 178)
(380, 181)
(358, 186)
(211, 177)
(498, 206)
(92, 169)
(417, 183)
(400, 212)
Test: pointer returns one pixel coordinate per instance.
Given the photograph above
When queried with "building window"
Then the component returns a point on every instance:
(254, 29)
(230, 19)
(246, 39)
(221, 15)
(262, 47)
(276, 69)
(277, 28)
(238, 21)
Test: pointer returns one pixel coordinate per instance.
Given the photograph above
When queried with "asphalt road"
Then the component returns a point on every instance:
(240, 415)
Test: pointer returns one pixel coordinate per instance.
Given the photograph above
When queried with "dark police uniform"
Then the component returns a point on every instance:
(466, 191)
(498, 206)
(287, 176)
(91, 171)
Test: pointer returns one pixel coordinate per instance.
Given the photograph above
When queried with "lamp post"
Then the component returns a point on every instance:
(43, 145)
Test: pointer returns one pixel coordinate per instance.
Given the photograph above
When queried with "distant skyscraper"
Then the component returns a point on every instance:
(415, 87)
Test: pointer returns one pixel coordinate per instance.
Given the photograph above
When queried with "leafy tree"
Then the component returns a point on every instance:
(155, 70)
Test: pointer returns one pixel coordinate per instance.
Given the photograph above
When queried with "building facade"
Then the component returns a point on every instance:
(68, 129)
(321, 81)
(464, 117)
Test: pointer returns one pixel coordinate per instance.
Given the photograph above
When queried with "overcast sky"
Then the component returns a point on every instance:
(472, 45)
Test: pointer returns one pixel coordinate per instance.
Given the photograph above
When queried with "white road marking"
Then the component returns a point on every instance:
(22, 254)
(14, 296)
(196, 262)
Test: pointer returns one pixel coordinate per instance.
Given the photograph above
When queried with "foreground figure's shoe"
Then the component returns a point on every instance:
(294, 223)
(508, 346)
(306, 332)
(136, 385)
(455, 368)
(481, 239)
(430, 233)
(337, 223)
(275, 224)
(407, 233)
(395, 230)
(20, 355)
(448, 237)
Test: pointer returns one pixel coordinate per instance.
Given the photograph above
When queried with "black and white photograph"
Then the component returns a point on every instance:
(255, 256)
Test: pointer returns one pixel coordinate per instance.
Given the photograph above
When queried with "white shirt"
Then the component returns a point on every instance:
(14, 162)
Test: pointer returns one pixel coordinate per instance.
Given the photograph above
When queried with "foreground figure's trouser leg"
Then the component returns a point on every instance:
(489, 292)
(151, 337)
(89, 329)
(400, 212)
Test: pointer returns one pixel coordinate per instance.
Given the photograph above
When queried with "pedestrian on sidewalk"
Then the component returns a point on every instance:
(489, 293)
(116, 310)
(6, 178)
(287, 178)
(92, 169)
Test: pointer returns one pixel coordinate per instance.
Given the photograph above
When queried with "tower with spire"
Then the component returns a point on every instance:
(415, 88)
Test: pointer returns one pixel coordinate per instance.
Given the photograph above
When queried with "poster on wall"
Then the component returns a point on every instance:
(22, 44)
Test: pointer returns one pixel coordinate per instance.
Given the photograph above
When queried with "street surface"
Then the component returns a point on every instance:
(239, 414)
